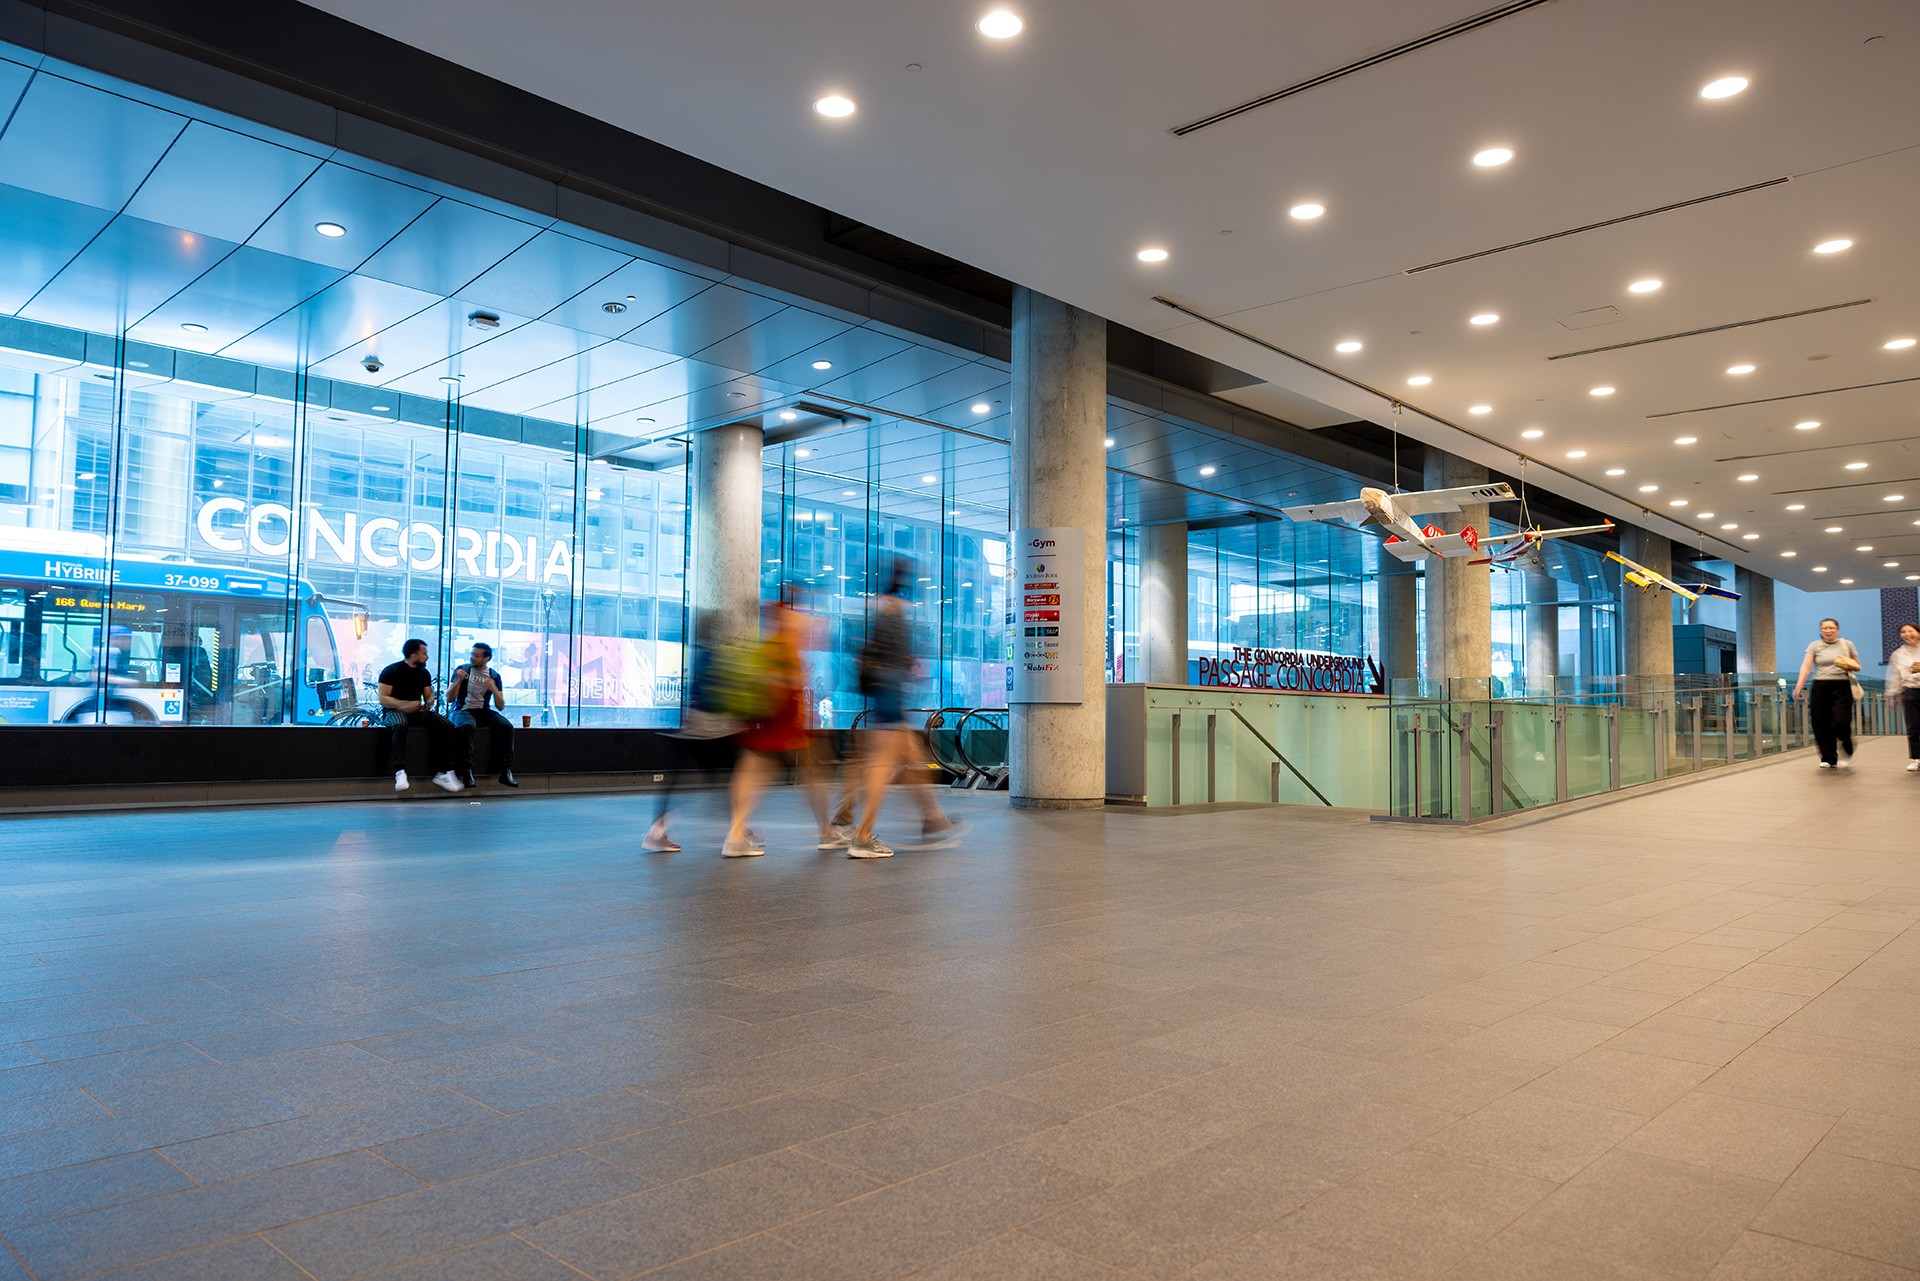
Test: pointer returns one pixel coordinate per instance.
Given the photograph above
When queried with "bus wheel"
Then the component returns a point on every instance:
(118, 712)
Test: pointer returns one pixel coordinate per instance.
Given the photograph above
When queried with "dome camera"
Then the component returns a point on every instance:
(371, 364)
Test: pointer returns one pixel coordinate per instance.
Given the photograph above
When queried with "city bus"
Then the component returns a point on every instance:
(85, 640)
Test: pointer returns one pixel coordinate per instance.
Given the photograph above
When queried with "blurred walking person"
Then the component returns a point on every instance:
(1903, 681)
(887, 665)
(781, 736)
(706, 734)
(1831, 661)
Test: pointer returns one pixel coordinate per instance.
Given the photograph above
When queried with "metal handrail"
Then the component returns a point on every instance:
(1280, 756)
(960, 742)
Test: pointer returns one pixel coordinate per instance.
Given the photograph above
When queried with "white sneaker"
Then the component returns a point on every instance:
(449, 781)
(1824, 765)
(742, 849)
(1913, 767)
(400, 783)
(869, 848)
(656, 841)
(832, 840)
(1846, 762)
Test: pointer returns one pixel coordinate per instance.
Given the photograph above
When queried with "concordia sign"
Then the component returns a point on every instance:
(268, 529)
(1303, 669)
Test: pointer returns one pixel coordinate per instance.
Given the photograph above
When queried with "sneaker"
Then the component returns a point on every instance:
(447, 780)
(844, 831)
(1826, 764)
(831, 840)
(466, 780)
(656, 841)
(506, 779)
(742, 849)
(941, 836)
(1846, 762)
(1913, 767)
(869, 848)
(400, 783)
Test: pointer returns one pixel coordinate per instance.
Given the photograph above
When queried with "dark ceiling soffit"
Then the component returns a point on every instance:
(1448, 32)
(1714, 329)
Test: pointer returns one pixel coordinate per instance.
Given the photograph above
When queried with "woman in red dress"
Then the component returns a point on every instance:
(783, 738)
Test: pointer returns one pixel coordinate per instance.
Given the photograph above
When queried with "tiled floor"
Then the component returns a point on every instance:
(1677, 1036)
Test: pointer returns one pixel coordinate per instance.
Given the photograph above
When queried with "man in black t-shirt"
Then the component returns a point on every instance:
(406, 691)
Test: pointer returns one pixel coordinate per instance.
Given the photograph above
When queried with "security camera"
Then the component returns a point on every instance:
(371, 364)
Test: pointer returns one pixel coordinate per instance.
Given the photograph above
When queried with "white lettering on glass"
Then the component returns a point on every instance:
(231, 526)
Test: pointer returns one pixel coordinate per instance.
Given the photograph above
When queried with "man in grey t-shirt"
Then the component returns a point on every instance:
(1831, 661)
(478, 700)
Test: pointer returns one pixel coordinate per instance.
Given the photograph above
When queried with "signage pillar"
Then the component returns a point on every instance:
(1753, 622)
(1056, 750)
(1163, 603)
(1459, 595)
(725, 520)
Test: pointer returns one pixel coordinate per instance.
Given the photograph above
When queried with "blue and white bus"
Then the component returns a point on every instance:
(88, 640)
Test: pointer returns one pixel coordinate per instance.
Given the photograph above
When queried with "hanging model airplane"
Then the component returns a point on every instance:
(1395, 513)
(1646, 579)
(1529, 540)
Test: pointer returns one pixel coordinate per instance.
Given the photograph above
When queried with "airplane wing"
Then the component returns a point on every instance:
(1643, 578)
(1454, 545)
(1432, 501)
(1538, 534)
(1405, 550)
(1708, 589)
(1352, 510)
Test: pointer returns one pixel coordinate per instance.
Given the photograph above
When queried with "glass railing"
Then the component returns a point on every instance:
(1462, 752)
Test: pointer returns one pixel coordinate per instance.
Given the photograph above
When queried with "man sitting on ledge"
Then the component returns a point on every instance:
(406, 691)
(477, 700)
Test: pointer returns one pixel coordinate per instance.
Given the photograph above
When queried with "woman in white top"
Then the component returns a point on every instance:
(1903, 680)
(1831, 662)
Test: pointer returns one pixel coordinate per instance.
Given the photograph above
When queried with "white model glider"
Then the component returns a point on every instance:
(1395, 513)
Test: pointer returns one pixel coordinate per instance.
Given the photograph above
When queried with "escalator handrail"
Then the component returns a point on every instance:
(959, 742)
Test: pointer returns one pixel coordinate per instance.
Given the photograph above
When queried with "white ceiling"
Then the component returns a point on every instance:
(1049, 160)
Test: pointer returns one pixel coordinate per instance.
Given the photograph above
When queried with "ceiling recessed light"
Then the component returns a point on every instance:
(1833, 246)
(193, 328)
(1484, 318)
(1724, 87)
(1913, 578)
(1846, 580)
(331, 230)
(849, 493)
(1109, 442)
(1746, 476)
(1898, 344)
(1789, 555)
(1856, 466)
(450, 380)
(981, 407)
(1737, 370)
(1419, 380)
(1479, 409)
(1208, 470)
(835, 106)
(1686, 440)
(1616, 471)
(1532, 433)
(1649, 489)
(1819, 569)
(1492, 157)
(1703, 516)
(823, 364)
(1864, 547)
(1836, 529)
(803, 453)
(1599, 391)
(1796, 507)
(1306, 212)
(1676, 502)
(1002, 24)
(1749, 537)
(1889, 564)
(1152, 253)
(1894, 498)
(1347, 348)
(929, 480)
(382, 409)
(1576, 453)
(1808, 425)
(1643, 286)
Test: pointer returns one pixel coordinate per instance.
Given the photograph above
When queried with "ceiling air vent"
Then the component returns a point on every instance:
(1589, 318)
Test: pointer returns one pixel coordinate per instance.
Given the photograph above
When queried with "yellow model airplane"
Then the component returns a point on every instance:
(1646, 579)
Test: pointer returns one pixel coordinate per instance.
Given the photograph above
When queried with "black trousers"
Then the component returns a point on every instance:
(441, 738)
(469, 721)
(1830, 709)
(1910, 700)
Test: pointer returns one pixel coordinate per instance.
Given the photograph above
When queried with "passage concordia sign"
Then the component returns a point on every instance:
(1049, 605)
(268, 529)
(1311, 671)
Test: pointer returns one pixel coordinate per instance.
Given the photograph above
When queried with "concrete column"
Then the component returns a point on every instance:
(1459, 595)
(1753, 622)
(1543, 629)
(1647, 618)
(1163, 602)
(726, 499)
(1399, 584)
(1056, 752)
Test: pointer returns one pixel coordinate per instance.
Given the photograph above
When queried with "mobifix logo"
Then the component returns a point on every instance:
(1041, 542)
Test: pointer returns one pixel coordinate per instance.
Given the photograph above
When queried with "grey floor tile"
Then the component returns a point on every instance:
(908, 1143)
(118, 1135)
(1020, 1256)
(1757, 1256)
(1548, 1138)
(266, 1147)
(425, 1222)
(1735, 1135)
(460, 1151)
(762, 1258)
(501, 1258)
(1273, 1256)
(247, 1258)
(41, 1111)
(1849, 1205)
(1891, 1140)
(1515, 1256)
(75, 1189)
(667, 1153)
